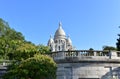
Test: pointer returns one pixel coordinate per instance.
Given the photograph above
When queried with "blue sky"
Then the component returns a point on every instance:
(89, 23)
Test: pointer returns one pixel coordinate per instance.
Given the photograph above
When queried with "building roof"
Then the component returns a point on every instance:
(69, 40)
(60, 32)
(50, 40)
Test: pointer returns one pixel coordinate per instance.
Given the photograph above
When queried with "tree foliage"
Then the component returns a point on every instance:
(109, 48)
(7, 32)
(37, 67)
(43, 49)
(23, 51)
(27, 50)
(9, 39)
(118, 43)
(14, 46)
(27, 63)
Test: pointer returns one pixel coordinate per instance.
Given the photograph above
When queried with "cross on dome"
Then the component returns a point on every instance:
(60, 24)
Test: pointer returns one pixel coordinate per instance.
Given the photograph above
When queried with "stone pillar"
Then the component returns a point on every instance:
(113, 54)
(94, 53)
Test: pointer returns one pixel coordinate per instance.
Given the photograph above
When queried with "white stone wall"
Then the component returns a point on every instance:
(85, 70)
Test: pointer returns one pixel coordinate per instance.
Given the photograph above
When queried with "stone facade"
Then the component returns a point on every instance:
(82, 64)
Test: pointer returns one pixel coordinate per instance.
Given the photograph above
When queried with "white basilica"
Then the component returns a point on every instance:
(60, 42)
(82, 64)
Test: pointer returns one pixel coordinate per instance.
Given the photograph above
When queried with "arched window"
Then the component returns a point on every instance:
(59, 48)
(55, 47)
(56, 41)
(59, 41)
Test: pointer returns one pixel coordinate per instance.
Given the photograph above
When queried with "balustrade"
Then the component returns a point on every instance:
(84, 53)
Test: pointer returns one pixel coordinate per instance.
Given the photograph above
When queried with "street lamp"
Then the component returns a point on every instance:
(115, 76)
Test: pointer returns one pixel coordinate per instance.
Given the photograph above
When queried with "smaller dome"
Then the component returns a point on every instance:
(50, 41)
(69, 40)
(60, 32)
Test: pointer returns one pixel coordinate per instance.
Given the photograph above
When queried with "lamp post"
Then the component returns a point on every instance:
(110, 72)
(114, 75)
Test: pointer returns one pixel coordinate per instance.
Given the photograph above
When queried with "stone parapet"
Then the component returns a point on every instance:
(85, 64)
(86, 54)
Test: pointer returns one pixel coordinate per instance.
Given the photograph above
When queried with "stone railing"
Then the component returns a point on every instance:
(86, 54)
(5, 62)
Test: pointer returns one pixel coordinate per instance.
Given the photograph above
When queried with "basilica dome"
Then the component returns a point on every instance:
(69, 41)
(60, 32)
(60, 42)
(50, 40)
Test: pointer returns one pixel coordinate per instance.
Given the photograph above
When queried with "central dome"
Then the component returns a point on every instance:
(60, 32)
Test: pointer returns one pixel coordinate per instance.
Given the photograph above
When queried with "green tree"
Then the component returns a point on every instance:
(37, 67)
(43, 49)
(7, 32)
(90, 52)
(109, 48)
(91, 49)
(24, 51)
(118, 43)
(9, 39)
(27, 63)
